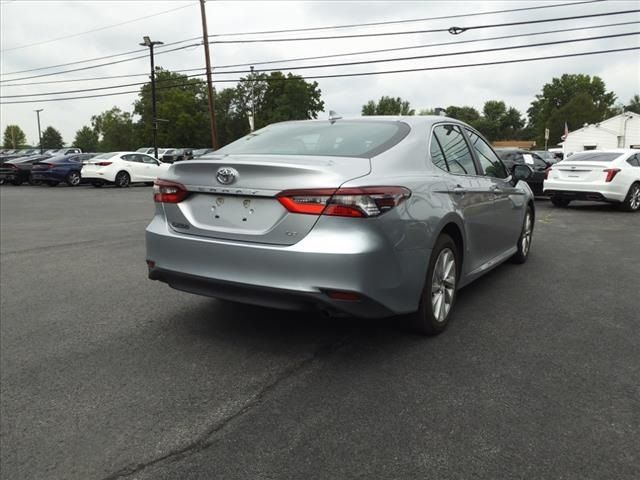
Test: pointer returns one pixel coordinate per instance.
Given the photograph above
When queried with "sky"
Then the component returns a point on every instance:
(30, 32)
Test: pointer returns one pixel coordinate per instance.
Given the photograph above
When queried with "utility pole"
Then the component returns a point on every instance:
(39, 134)
(207, 59)
(148, 43)
(252, 117)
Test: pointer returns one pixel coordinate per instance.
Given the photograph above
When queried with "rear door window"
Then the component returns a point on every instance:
(489, 161)
(454, 150)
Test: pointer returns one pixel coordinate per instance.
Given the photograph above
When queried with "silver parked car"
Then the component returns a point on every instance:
(372, 217)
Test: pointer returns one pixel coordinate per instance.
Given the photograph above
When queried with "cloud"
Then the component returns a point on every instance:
(516, 84)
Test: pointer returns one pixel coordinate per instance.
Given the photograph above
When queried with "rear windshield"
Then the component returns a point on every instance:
(104, 156)
(341, 139)
(593, 157)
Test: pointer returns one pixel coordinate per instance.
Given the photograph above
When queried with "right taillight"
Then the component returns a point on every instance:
(611, 173)
(547, 172)
(344, 202)
(165, 191)
(104, 164)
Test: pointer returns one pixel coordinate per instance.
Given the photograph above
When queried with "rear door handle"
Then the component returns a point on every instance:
(496, 190)
(458, 190)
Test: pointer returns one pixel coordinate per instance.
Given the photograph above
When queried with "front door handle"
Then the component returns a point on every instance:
(458, 190)
(495, 190)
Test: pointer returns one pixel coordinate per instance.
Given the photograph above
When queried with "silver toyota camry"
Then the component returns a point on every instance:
(371, 217)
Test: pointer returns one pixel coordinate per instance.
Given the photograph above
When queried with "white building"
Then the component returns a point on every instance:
(621, 131)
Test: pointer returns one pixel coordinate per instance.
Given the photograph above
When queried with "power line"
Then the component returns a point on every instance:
(319, 57)
(413, 20)
(100, 65)
(315, 29)
(363, 62)
(95, 29)
(412, 47)
(359, 74)
(452, 30)
(76, 62)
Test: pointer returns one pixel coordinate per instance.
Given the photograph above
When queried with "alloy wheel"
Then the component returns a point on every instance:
(527, 232)
(635, 198)
(74, 178)
(443, 284)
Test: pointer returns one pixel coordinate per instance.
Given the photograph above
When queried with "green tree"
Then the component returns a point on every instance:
(465, 114)
(634, 104)
(14, 137)
(496, 122)
(181, 105)
(579, 110)
(562, 91)
(115, 129)
(231, 123)
(86, 139)
(51, 138)
(388, 106)
(276, 98)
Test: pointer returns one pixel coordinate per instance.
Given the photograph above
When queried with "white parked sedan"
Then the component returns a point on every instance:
(122, 168)
(596, 175)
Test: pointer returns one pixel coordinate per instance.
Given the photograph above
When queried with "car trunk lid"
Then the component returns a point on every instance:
(246, 209)
(581, 171)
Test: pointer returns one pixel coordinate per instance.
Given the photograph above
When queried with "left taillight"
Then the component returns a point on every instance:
(344, 202)
(611, 173)
(165, 191)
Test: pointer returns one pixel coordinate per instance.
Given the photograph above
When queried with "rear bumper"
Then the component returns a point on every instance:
(604, 192)
(298, 276)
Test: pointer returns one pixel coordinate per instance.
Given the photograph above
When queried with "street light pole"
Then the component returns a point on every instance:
(39, 134)
(148, 43)
(207, 60)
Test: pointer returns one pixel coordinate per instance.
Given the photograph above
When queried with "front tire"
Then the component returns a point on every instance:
(439, 292)
(560, 201)
(123, 180)
(73, 179)
(632, 201)
(526, 236)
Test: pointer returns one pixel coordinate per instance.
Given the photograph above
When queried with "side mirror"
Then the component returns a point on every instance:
(521, 172)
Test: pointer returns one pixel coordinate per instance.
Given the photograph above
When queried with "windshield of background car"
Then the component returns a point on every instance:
(340, 139)
(594, 157)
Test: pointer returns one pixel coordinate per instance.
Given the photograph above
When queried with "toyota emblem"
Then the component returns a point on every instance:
(226, 175)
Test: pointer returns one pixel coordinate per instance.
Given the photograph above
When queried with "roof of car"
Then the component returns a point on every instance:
(413, 120)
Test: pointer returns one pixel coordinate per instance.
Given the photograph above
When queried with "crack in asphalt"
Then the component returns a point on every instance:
(204, 441)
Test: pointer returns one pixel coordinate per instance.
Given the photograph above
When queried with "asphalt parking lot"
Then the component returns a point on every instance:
(105, 374)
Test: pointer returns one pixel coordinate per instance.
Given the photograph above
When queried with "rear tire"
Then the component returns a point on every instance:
(73, 179)
(560, 201)
(439, 292)
(122, 180)
(526, 236)
(631, 202)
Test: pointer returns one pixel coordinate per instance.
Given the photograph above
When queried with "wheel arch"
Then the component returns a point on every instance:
(453, 226)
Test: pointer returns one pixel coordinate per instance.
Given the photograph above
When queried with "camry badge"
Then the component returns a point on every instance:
(226, 175)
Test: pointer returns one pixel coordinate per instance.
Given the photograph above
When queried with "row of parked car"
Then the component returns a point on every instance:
(73, 167)
(170, 155)
(98, 169)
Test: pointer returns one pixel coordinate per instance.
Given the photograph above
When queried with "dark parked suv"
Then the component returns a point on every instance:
(512, 156)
